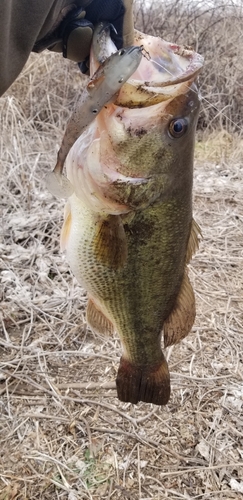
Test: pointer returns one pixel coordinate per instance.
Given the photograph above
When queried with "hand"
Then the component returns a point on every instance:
(73, 36)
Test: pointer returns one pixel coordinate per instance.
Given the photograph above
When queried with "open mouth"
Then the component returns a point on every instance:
(165, 71)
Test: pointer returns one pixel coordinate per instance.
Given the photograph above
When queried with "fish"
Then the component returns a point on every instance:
(128, 231)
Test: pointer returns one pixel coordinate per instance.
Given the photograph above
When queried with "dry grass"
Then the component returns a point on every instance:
(64, 434)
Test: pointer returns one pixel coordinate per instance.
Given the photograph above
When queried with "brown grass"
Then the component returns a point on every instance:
(63, 433)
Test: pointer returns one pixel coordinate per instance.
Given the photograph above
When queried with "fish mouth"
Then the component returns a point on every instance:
(165, 71)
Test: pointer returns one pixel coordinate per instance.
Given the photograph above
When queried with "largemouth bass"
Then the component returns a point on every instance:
(128, 230)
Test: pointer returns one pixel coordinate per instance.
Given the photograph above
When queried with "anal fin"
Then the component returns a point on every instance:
(110, 244)
(97, 321)
(150, 384)
(180, 321)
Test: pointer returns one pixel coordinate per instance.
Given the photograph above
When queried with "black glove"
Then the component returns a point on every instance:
(73, 36)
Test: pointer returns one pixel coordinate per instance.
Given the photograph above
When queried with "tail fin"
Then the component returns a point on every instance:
(150, 384)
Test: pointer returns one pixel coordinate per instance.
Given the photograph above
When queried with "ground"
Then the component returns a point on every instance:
(63, 432)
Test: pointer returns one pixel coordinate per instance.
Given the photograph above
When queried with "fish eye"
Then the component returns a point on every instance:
(121, 52)
(177, 127)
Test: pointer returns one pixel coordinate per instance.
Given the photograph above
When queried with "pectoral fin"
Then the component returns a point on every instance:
(180, 321)
(110, 245)
(97, 320)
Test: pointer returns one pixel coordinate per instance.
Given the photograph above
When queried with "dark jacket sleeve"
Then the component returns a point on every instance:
(22, 22)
